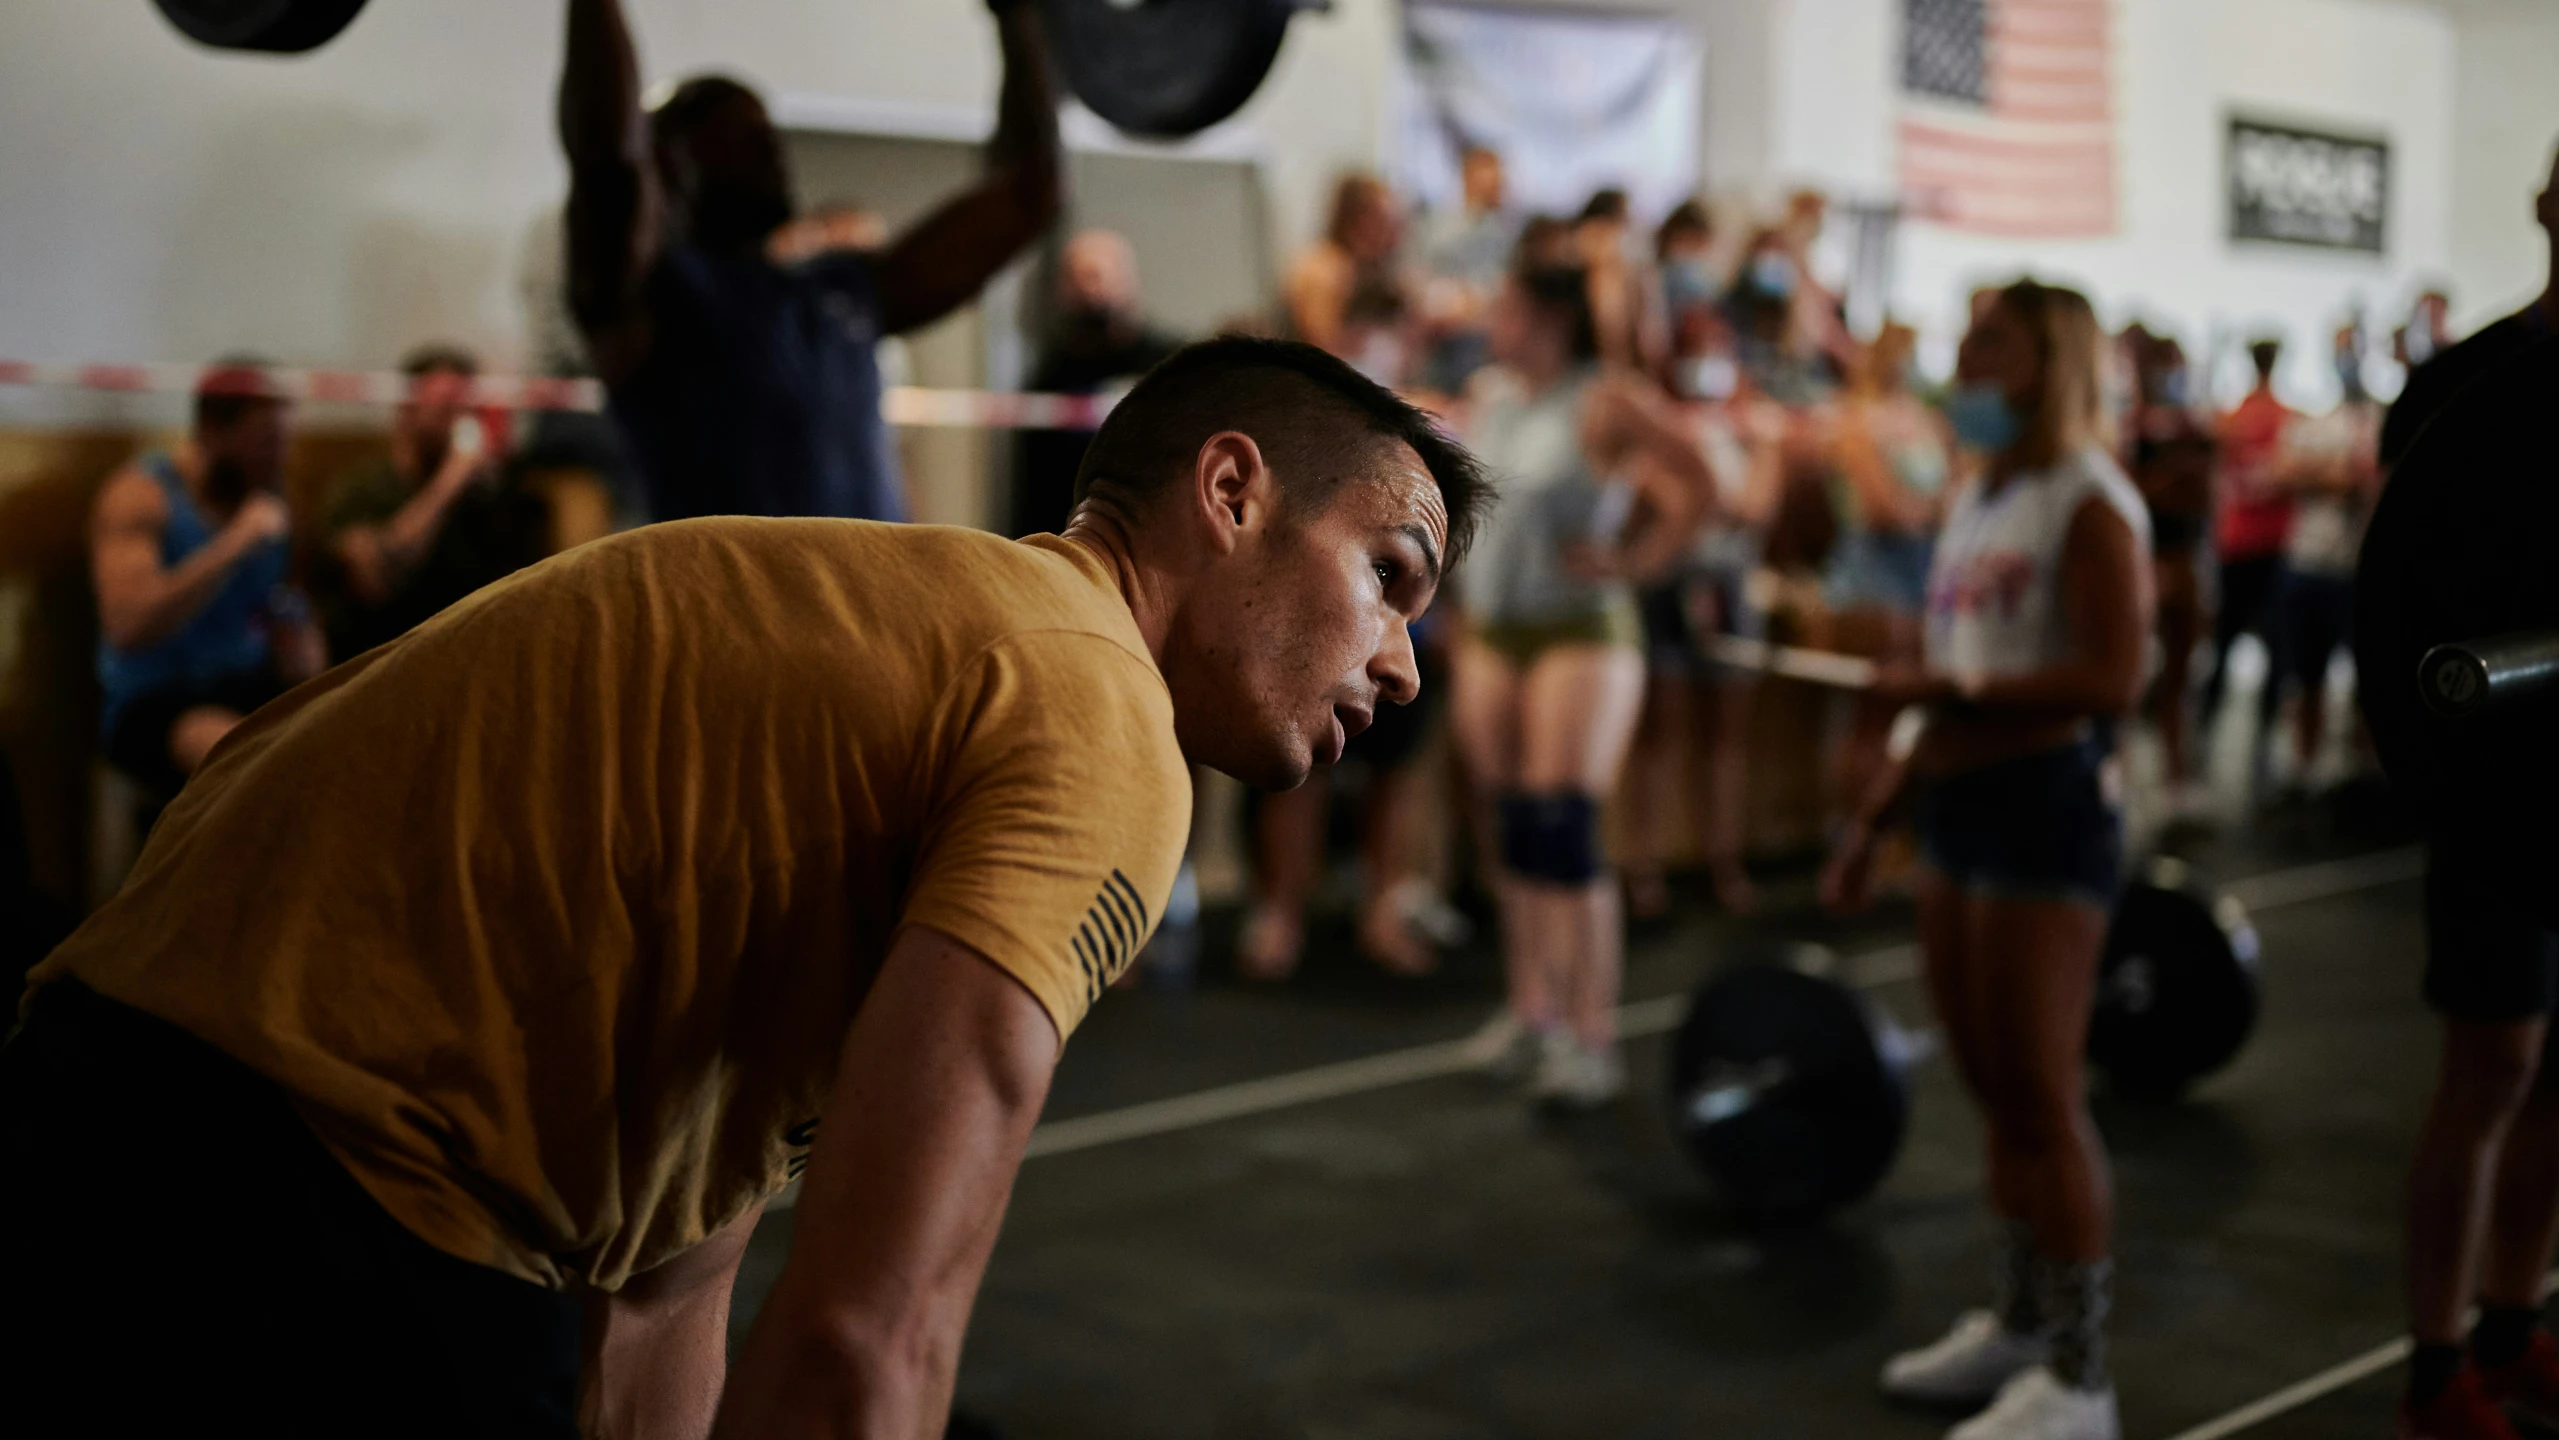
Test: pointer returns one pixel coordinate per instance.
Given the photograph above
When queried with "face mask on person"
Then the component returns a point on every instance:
(1709, 377)
(2350, 376)
(1983, 418)
(1773, 274)
(1688, 282)
(2169, 389)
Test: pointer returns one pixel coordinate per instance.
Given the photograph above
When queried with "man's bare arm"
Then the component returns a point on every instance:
(943, 262)
(141, 601)
(942, 1078)
(614, 197)
(658, 1348)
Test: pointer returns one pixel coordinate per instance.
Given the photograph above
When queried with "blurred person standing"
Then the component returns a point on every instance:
(748, 387)
(1347, 293)
(2038, 628)
(1892, 459)
(1098, 340)
(1764, 303)
(1465, 251)
(428, 523)
(2435, 380)
(2428, 332)
(196, 627)
(1600, 487)
(2169, 452)
(1625, 308)
(1693, 707)
(1692, 293)
(2254, 521)
(2332, 465)
(2483, 1195)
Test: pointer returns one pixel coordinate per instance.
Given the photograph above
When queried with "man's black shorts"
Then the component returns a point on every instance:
(139, 744)
(2490, 955)
(179, 1255)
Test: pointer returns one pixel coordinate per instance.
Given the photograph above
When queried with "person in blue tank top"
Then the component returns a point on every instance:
(747, 386)
(196, 627)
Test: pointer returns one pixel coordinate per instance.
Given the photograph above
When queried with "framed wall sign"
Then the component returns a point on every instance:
(2292, 186)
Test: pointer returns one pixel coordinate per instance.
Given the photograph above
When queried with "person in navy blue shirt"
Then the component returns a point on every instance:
(196, 627)
(748, 386)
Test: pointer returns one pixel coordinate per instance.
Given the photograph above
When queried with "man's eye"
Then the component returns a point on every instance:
(1387, 570)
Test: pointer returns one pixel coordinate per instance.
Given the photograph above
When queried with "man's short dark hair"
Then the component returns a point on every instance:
(2265, 352)
(1608, 204)
(1317, 421)
(232, 389)
(439, 357)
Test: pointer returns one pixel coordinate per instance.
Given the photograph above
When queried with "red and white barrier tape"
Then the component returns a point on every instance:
(901, 405)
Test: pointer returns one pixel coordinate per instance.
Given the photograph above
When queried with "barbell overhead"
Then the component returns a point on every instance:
(276, 26)
(1157, 68)
(1167, 68)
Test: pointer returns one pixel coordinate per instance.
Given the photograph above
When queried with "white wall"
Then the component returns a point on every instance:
(2182, 66)
(161, 202)
(2505, 120)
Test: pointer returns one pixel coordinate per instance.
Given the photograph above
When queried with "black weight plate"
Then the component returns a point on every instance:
(2461, 547)
(1166, 68)
(279, 26)
(2177, 990)
(1822, 1136)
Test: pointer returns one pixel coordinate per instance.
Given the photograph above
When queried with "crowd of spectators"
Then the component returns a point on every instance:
(1833, 462)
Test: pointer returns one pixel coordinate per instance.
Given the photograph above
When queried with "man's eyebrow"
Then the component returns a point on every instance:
(1422, 538)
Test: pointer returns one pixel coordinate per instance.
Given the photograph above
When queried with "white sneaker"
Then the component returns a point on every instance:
(1966, 1367)
(1504, 1049)
(1575, 1075)
(2037, 1406)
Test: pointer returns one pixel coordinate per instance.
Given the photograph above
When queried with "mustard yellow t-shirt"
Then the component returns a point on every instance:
(551, 916)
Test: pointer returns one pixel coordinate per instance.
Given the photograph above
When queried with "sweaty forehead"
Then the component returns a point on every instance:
(1402, 492)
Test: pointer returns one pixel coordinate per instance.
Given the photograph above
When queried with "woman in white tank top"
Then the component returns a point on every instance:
(2038, 613)
(1598, 483)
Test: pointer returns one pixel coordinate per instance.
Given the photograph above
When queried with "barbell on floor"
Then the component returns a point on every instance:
(1792, 1091)
(1158, 68)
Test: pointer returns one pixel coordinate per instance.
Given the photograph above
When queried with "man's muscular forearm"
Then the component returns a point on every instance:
(947, 259)
(656, 1352)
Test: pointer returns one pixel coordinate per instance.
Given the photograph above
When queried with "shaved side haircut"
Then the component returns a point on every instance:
(1319, 423)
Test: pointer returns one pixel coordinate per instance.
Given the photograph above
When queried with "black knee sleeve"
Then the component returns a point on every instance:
(1552, 838)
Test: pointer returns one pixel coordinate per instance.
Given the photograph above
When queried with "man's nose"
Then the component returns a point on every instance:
(1397, 673)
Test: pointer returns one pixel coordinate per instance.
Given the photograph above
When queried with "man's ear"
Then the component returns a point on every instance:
(1232, 488)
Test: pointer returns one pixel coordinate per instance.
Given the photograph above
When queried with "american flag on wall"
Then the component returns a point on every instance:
(2008, 121)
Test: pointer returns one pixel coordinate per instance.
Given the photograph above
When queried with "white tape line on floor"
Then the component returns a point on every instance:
(1871, 970)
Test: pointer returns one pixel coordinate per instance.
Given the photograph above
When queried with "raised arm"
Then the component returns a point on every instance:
(1630, 421)
(378, 558)
(615, 202)
(942, 1078)
(949, 256)
(140, 600)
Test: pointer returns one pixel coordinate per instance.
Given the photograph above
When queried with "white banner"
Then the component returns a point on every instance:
(1572, 103)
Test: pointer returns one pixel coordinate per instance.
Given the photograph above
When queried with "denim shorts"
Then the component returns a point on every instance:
(2038, 827)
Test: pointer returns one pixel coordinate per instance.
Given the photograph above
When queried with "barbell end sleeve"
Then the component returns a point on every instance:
(2467, 677)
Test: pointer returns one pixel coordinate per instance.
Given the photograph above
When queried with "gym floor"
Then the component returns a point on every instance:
(1427, 1259)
